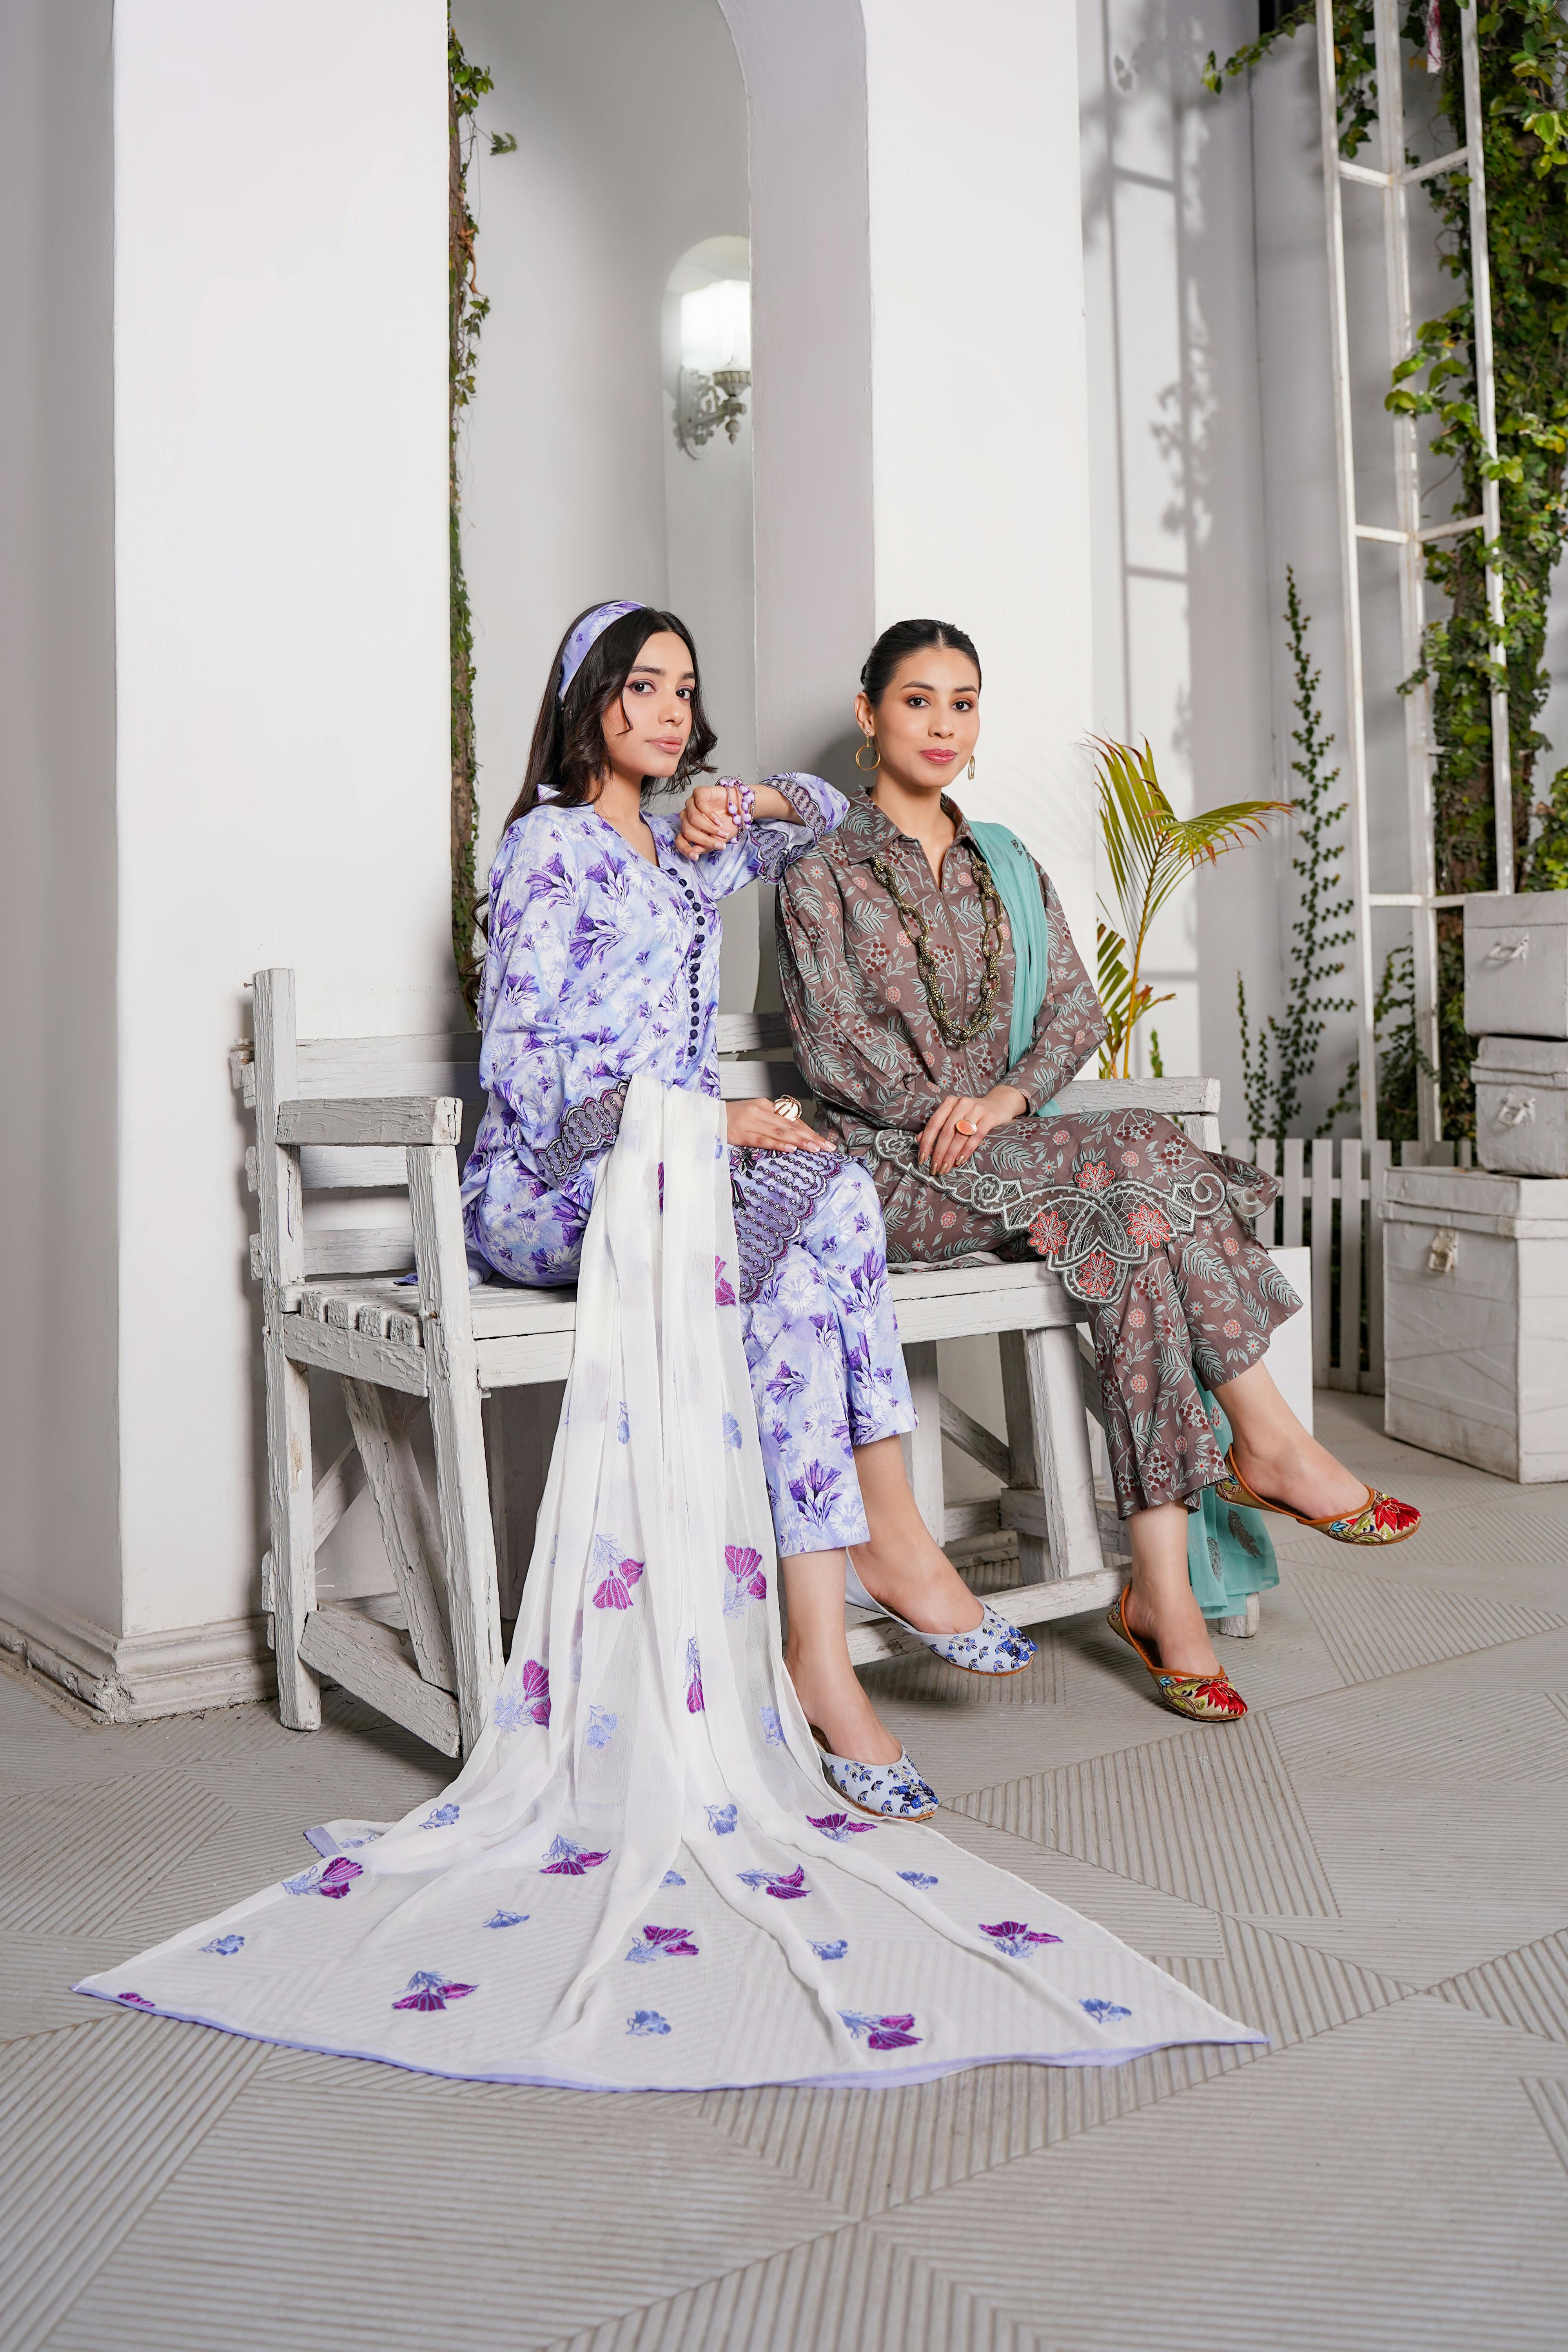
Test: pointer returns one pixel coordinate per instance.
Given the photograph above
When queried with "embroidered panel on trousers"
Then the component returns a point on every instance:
(775, 1195)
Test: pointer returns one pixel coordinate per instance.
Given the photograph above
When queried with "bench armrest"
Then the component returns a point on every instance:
(371, 1120)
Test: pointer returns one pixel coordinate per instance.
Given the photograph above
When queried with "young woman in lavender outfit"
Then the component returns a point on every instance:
(938, 1003)
(602, 962)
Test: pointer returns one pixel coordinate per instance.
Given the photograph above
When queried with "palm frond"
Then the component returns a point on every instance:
(1150, 851)
(1115, 986)
(1122, 1005)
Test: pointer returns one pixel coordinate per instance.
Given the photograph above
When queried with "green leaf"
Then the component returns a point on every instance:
(1150, 851)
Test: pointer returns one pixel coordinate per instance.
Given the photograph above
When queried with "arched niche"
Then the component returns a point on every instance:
(630, 124)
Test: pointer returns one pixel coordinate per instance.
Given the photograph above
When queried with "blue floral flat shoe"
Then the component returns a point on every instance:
(992, 1647)
(888, 1792)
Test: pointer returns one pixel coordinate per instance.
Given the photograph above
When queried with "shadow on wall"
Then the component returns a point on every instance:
(1183, 631)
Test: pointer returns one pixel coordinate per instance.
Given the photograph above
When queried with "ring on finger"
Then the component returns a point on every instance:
(967, 1125)
(786, 1106)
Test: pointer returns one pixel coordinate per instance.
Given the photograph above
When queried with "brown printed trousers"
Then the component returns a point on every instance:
(1153, 1238)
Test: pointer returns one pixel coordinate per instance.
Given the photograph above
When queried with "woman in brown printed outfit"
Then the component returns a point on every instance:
(898, 962)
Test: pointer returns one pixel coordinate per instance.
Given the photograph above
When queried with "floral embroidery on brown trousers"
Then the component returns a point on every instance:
(1150, 1234)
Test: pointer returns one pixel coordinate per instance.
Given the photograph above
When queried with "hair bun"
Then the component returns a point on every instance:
(906, 637)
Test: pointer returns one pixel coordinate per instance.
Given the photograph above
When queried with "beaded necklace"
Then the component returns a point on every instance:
(951, 1031)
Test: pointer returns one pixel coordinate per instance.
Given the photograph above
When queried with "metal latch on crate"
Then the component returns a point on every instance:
(1442, 1257)
(1515, 1109)
(1509, 950)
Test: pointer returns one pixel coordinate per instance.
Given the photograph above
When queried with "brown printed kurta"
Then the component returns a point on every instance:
(1151, 1234)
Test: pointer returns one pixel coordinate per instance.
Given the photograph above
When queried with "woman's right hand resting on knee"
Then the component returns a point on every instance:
(956, 1126)
(756, 1125)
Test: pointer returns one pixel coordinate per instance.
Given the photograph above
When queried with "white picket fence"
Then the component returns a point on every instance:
(1317, 1176)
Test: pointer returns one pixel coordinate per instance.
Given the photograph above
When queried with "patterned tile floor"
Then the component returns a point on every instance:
(1373, 1869)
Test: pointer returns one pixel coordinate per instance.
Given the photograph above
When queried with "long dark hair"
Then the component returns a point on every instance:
(906, 637)
(568, 751)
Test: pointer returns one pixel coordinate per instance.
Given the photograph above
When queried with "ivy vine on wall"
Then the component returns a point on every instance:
(467, 311)
(1524, 57)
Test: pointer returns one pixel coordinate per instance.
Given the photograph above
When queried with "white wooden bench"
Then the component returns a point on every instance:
(350, 1129)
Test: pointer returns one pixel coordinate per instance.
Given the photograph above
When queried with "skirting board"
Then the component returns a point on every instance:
(134, 1678)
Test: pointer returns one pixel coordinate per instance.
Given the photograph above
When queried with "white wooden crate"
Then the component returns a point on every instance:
(1521, 1105)
(1516, 965)
(1475, 1319)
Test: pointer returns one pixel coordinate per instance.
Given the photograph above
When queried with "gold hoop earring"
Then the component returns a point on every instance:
(866, 766)
(972, 767)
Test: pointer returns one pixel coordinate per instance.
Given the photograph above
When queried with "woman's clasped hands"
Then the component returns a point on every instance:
(954, 1131)
(713, 816)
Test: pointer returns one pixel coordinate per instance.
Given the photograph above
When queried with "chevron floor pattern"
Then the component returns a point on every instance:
(1373, 1869)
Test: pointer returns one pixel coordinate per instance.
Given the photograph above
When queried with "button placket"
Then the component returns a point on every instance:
(693, 961)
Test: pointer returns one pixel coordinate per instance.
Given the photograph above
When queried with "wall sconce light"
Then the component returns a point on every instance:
(715, 362)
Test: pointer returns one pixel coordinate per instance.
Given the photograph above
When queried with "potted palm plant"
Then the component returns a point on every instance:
(1150, 851)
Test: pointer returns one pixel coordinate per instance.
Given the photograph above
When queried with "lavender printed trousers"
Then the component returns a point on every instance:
(1153, 1238)
(821, 1341)
(822, 1344)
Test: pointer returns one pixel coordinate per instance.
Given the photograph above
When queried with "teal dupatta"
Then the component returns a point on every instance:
(1229, 1554)
(1019, 887)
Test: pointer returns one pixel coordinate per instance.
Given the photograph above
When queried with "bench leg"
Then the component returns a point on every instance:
(1047, 1436)
(924, 1445)
(407, 1523)
(462, 1486)
(520, 1432)
(289, 1580)
(291, 1512)
(1242, 1628)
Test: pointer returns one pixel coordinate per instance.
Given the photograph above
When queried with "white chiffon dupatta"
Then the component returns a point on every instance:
(639, 1879)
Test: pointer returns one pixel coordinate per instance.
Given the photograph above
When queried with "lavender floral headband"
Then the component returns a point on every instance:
(587, 633)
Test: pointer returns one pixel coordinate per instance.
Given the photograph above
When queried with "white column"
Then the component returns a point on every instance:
(979, 438)
(281, 588)
(58, 1545)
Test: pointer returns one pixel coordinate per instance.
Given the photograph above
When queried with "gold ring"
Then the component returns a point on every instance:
(967, 1125)
(786, 1106)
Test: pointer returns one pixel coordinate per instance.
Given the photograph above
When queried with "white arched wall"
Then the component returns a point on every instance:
(631, 131)
(259, 773)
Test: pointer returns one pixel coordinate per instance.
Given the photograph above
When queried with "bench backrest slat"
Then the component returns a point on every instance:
(756, 1061)
(377, 1066)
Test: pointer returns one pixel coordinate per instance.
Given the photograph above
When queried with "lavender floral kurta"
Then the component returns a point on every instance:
(1150, 1233)
(601, 964)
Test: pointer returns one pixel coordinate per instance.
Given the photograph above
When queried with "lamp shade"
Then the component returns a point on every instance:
(716, 327)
